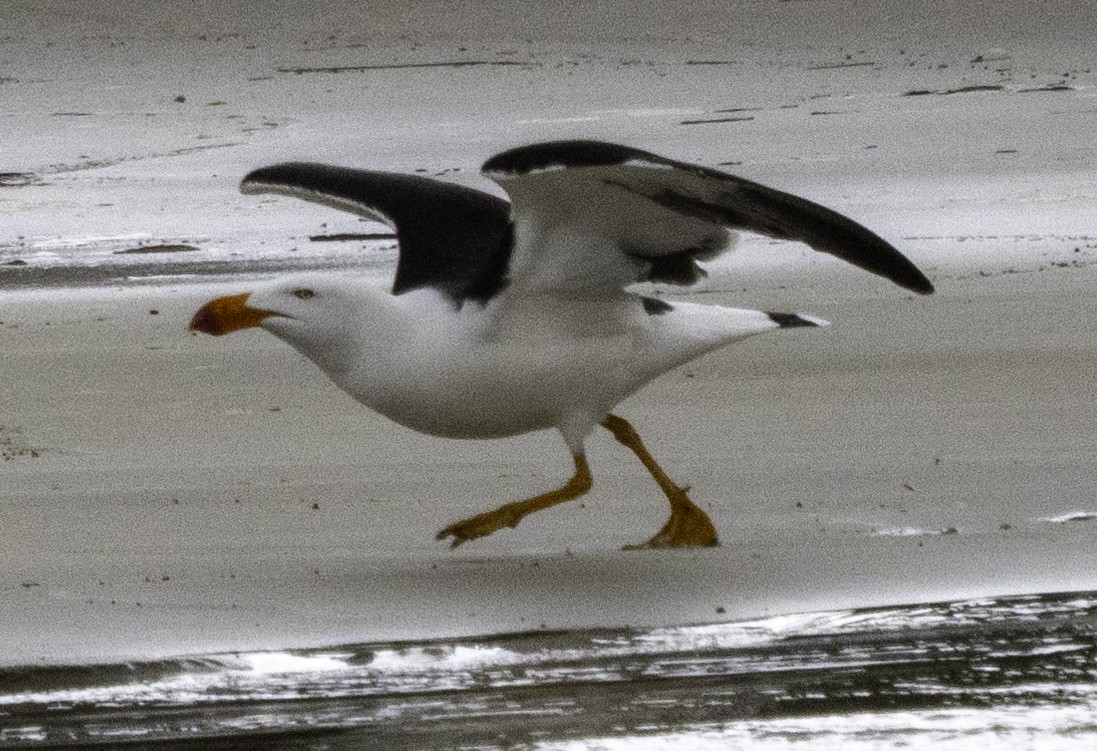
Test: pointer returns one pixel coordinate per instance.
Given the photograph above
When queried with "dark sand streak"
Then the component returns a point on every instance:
(404, 66)
(716, 120)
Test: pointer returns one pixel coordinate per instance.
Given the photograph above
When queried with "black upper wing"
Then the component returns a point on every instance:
(452, 238)
(664, 212)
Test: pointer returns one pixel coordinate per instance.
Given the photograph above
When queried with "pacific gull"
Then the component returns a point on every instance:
(505, 318)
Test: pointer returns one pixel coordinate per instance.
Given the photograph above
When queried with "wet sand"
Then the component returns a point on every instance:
(163, 493)
(167, 493)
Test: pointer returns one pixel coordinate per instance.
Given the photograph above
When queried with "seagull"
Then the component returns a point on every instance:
(510, 317)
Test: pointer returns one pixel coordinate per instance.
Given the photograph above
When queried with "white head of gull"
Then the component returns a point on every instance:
(505, 318)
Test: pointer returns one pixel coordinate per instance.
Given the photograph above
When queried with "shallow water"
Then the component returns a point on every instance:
(1009, 672)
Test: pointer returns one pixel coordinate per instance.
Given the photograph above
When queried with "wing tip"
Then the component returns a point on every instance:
(924, 288)
(796, 320)
(913, 279)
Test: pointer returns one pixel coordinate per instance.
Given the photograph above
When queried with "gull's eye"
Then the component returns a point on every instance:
(303, 293)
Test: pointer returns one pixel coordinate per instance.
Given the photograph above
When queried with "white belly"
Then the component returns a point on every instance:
(503, 388)
(558, 364)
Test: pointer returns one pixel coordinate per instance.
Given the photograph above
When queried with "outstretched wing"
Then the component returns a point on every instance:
(452, 238)
(597, 215)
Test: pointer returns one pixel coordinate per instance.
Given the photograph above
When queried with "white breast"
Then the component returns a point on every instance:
(548, 363)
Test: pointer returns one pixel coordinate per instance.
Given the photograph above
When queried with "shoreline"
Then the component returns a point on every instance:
(210, 479)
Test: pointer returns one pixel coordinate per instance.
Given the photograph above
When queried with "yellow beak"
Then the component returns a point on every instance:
(223, 315)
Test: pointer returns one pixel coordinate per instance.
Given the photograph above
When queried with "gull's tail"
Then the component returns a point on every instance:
(795, 320)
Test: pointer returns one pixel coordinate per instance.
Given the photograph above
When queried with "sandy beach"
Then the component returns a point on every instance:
(200, 495)
(163, 493)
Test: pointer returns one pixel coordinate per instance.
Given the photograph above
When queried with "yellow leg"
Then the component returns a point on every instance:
(688, 525)
(509, 514)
